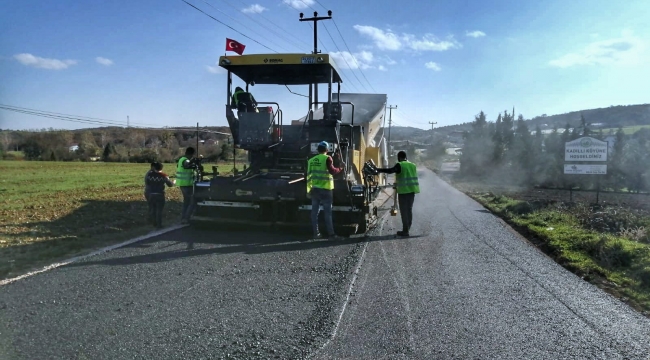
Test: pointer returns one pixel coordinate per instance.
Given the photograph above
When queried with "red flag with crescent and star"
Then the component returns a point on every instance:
(232, 45)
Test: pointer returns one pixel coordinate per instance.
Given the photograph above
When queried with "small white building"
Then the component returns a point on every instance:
(73, 147)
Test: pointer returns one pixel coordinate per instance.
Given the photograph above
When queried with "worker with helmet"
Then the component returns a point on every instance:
(407, 185)
(185, 181)
(320, 186)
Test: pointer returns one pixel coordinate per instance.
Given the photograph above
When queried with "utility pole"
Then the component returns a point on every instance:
(128, 154)
(315, 19)
(432, 123)
(390, 121)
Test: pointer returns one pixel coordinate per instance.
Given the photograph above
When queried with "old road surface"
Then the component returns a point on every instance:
(463, 286)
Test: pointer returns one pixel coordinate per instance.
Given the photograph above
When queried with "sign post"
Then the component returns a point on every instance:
(587, 150)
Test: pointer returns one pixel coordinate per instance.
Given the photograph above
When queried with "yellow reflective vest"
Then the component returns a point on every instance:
(407, 179)
(318, 176)
(184, 177)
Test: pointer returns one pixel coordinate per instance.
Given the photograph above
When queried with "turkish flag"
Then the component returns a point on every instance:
(232, 45)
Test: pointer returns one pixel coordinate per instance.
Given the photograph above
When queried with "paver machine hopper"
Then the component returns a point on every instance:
(273, 190)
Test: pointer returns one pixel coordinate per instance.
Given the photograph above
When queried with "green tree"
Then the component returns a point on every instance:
(226, 152)
(585, 127)
(636, 165)
(476, 158)
(615, 177)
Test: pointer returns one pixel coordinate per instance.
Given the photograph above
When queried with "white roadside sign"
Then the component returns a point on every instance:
(579, 169)
(585, 149)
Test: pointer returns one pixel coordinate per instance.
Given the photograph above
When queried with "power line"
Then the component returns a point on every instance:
(276, 25)
(94, 121)
(77, 119)
(326, 50)
(228, 26)
(337, 47)
(344, 59)
(349, 51)
(268, 29)
(65, 117)
(244, 25)
(355, 59)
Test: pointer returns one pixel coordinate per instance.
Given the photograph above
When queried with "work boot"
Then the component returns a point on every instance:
(403, 233)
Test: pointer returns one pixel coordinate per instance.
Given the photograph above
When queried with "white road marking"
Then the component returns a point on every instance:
(354, 279)
(97, 252)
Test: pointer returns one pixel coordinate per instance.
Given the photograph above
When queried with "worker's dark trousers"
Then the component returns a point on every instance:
(156, 205)
(322, 197)
(406, 210)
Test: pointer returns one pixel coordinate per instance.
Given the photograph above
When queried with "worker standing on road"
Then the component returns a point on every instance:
(320, 186)
(147, 189)
(185, 181)
(156, 181)
(406, 183)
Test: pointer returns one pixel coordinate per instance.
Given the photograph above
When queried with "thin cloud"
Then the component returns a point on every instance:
(104, 61)
(361, 60)
(433, 66)
(254, 9)
(44, 63)
(626, 50)
(216, 69)
(299, 4)
(388, 40)
(475, 34)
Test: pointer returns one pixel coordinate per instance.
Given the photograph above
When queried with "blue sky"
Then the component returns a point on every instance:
(441, 61)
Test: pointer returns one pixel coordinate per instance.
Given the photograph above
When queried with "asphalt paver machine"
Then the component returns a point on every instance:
(273, 190)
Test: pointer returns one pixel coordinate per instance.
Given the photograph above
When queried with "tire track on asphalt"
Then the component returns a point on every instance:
(402, 294)
(380, 221)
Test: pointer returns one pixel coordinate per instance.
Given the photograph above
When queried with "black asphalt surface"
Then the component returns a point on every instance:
(463, 286)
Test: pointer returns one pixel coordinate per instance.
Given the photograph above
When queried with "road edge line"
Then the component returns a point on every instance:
(94, 253)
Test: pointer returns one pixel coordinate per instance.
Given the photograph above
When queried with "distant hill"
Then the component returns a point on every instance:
(603, 118)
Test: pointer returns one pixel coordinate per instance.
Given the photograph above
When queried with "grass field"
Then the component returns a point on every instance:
(628, 130)
(55, 210)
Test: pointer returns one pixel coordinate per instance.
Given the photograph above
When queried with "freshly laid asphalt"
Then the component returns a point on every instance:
(463, 286)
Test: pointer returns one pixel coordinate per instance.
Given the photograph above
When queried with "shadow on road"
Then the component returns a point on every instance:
(220, 243)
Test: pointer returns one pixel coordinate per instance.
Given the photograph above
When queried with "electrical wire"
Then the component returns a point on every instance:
(344, 59)
(355, 59)
(346, 45)
(221, 11)
(343, 77)
(270, 22)
(95, 121)
(228, 26)
(65, 117)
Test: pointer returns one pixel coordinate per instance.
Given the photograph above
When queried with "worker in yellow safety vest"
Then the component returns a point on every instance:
(243, 101)
(320, 187)
(407, 185)
(185, 181)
